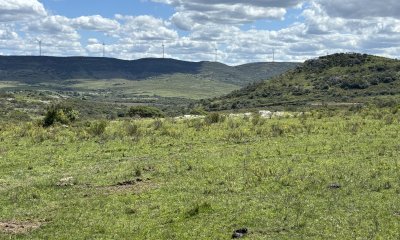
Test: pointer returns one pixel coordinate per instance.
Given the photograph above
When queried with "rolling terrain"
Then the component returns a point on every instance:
(320, 175)
(106, 86)
(196, 78)
(338, 79)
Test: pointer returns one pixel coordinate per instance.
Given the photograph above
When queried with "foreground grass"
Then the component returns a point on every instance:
(319, 176)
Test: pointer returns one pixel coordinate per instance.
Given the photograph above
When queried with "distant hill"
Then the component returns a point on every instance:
(34, 69)
(345, 78)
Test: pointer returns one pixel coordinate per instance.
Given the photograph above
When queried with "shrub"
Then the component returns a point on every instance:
(60, 114)
(195, 123)
(97, 128)
(277, 130)
(145, 112)
(157, 124)
(132, 129)
(214, 118)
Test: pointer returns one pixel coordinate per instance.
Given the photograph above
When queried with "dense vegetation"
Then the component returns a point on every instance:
(335, 79)
(316, 175)
(145, 112)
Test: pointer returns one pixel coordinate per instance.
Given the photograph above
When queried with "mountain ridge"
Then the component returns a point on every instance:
(34, 69)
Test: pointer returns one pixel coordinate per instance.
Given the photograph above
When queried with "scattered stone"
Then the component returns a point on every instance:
(189, 117)
(239, 233)
(397, 214)
(67, 181)
(334, 186)
(265, 114)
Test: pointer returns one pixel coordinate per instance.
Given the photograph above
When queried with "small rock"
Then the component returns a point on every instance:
(334, 186)
(239, 233)
(67, 181)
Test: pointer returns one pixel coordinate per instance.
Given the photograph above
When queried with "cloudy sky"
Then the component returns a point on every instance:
(241, 30)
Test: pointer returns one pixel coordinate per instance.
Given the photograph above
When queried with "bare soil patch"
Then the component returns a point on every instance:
(137, 186)
(14, 227)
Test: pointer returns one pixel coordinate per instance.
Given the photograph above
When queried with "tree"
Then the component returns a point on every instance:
(60, 114)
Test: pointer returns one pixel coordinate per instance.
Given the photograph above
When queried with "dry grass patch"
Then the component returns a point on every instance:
(14, 227)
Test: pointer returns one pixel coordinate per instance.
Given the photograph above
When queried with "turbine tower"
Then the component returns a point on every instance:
(104, 50)
(216, 53)
(40, 46)
(273, 55)
(163, 50)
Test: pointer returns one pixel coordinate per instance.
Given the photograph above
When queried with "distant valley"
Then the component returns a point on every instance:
(143, 77)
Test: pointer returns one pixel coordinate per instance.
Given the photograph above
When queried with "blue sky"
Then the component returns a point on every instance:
(107, 8)
(242, 31)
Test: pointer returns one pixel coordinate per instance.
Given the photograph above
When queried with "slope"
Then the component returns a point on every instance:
(335, 79)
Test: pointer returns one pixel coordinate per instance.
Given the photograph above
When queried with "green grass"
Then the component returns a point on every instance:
(180, 85)
(202, 181)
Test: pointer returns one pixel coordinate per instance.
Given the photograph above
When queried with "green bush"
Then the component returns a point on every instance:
(132, 129)
(145, 112)
(60, 114)
(98, 128)
(214, 118)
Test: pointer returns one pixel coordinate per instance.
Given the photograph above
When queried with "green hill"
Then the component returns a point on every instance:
(34, 69)
(143, 77)
(338, 79)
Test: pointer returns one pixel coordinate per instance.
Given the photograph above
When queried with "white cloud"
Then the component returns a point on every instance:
(145, 28)
(21, 10)
(324, 27)
(359, 9)
(7, 33)
(194, 12)
(92, 41)
(52, 25)
(95, 23)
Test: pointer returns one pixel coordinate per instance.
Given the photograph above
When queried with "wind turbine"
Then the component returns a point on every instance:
(216, 52)
(163, 50)
(273, 55)
(40, 46)
(104, 49)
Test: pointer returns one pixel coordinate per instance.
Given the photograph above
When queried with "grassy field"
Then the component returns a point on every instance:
(321, 175)
(181, 85)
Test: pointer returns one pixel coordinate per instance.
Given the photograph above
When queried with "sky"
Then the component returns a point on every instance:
(229, 31)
